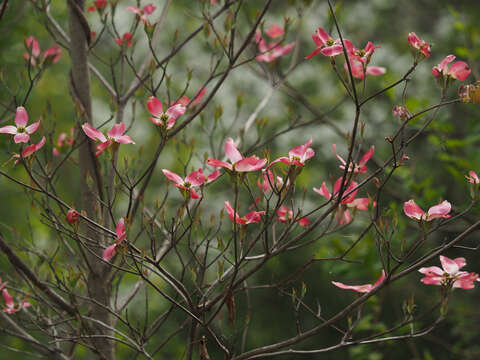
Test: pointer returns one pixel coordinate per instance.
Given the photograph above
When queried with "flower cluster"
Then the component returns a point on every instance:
(269, 52)
(9, 303)
(450, 275)
(413, 211)
(36, 57)
(114, 135)
(121, 235)
(194, 179)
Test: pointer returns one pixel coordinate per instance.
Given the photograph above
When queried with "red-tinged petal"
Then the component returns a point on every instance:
(435, 72)
(93, 133)
(134, 10)
(431, 280)
(275, 31)
(473, 178)
(443, 66)
(376, 70)
(116, 131)
(320, 37)
(172, 176)
(461, 262)
(250, 164)
(348, 46)
(253, 217)
(21, 138)
(412, 210)
(52, 54)
(449, 265)
(303, 221)
(459, 70)
(32, 43)
(360, 203)
(125, 139)
(367, 156)
(380, 279)
(431, 271)
(149, 9)
(219, 163)
(32, 128)
(109, 252)
(232, 214)
(156, 121)
(196, 178)
(334, 147)
(333, 50)
(323, 191)
(300, 150)
(102, 146)
(413, 39)
(358, 288)
(8, 299)
(193, 194)
(155, 107)
(440, 210)
(120, 230)
(21, 117)
(29, 150)
(466, 281)
(213, 176)
(201, 94)
(176, 110)
(313, 53)
(9, 129)
(231, 151)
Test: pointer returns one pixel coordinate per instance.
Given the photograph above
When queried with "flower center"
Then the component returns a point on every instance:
(20, 129)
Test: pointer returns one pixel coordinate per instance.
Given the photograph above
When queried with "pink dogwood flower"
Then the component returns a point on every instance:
(270, 52)
(422, 46)
(250, 218)
(359, 69)
(49, 56)
(459, 70)
(121, 235)
(325, 44)
(473, 177)
(30, 149)
(194, 179)
(237, 162)
(365, 288)
(362, 55)
(270, 182)
(72, 216)
(296, 156)
(285, 215)
(21, 131)
(115, 134)
(126, 39)
(10, 305)
(450, 274)
(142, 13)
(356, 168)
(63, 141)
(165, 119)
(413, 211)
(275, 31)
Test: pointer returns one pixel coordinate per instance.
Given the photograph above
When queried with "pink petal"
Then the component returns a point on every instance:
(21, 117)
(109, 252)
(134, 10)
(196, 178)
(232, 214)
(102, 147)
(367, 156)
(172, 176)
(413, 39)
(431, 280)
(120, 230)
(199, 97)
(231, 151)
(412, 210)
(30, 149)
(431, 271)
(93, 133)
(449, 265)
(343, 217)
(32, 128)
(253, 217)
(52, 54)
(125, 139)
(155, 107)
(442, 67)
(473, 178)
(334, 147)
(176, 110)
(21, 138)
(459, 70)
(116, 131)
(313, 53)
(360, 203)
(252, 163)
(332, 50)
(275, 31)
(213, 176)
(8, 299)
(219, 163)
(376, 70)
(440, 210)
(380, 279)
(303, 221)
(323, 191)
(193, 194)
(461, 262)
(359, 288)
(149, 9)
(32, 43)
(320, 37)
(9, 129)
